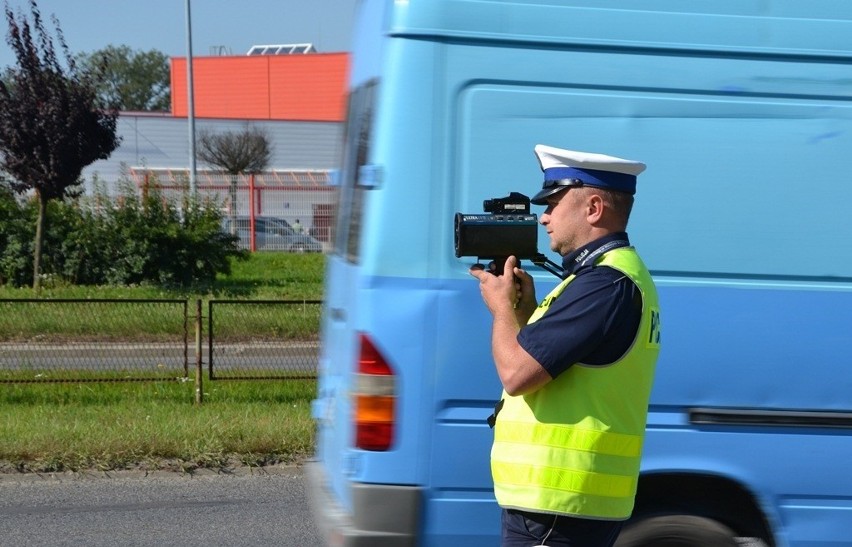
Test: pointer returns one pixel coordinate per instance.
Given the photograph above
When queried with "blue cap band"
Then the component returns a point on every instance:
(611, 180)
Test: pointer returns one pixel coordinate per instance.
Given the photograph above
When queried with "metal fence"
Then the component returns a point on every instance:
(98, 340)
(261, 339)
(55, 340)
(291, 210)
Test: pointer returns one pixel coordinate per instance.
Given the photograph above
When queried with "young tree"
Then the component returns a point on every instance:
(51, 122)
(130, 80)
(235, 153)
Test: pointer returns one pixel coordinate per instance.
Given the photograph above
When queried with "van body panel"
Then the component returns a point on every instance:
(762, 347)
(741, 109)
(782, 27)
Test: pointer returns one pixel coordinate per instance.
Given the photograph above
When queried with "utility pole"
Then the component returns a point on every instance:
(190, 103)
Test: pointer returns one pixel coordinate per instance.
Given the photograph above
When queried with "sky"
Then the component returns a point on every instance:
(218, 26)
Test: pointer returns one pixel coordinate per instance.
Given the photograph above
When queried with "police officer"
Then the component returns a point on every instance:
(576, 369)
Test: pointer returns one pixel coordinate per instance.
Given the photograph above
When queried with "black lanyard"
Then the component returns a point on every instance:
(606, 247)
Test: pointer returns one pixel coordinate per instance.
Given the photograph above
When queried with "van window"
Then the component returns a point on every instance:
(359, 126)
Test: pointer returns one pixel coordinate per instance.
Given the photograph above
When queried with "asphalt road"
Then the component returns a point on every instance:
(239, 509)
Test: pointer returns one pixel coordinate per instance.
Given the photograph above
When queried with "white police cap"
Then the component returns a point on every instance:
(566, 168)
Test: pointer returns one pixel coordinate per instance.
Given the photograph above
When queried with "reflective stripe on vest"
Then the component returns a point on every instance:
(573, 447)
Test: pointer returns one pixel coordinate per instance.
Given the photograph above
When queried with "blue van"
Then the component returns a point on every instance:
(742, 110)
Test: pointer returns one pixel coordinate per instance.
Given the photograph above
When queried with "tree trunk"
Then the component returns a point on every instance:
(39, 238)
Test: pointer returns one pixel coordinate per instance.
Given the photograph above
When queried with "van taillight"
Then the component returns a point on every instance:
(375, 395)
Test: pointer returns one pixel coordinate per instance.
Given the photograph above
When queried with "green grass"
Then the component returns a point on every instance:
(269, 276)
(156, 425)
(264, 276)
(69, 427)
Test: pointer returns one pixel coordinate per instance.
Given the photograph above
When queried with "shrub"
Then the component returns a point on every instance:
(16, 239)
(129, 240)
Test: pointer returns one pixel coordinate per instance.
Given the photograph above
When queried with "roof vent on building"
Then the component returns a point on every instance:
(282, 49)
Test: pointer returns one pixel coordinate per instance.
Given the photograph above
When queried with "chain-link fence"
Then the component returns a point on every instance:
(263, 339)
(60, 340)
(44, 340)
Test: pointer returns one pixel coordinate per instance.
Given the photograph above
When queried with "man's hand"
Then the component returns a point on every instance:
(526, 302)
(511, 299)
(513, 291)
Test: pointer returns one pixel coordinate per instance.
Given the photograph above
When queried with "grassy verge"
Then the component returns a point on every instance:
(263, 276)
(107, 426)
(69, 427)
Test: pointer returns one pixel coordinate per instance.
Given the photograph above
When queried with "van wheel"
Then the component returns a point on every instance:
(676, 531)
(297, 249)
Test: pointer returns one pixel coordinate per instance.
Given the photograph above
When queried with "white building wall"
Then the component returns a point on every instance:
(162, 142)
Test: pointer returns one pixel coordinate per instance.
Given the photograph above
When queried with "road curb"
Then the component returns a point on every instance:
(291, 469)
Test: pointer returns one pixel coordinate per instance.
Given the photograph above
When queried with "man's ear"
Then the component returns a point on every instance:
(594, 208)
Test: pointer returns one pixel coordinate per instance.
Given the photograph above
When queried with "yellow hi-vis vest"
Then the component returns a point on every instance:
(573, 446)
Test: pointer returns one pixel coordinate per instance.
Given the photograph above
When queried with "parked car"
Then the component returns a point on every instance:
(271, 234)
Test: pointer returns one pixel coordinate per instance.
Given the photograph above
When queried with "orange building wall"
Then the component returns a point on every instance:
(310, 87)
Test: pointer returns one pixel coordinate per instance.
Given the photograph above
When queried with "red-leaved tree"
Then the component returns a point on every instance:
(52, 124)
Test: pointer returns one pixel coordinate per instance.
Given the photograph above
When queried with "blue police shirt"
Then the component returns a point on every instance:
(594, 320)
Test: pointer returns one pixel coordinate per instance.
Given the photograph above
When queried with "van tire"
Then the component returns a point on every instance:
(676, 531)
